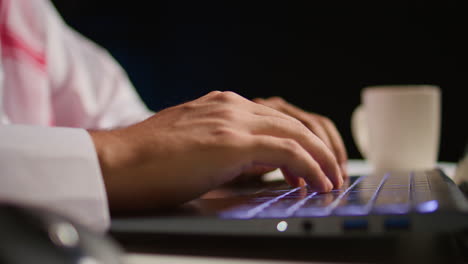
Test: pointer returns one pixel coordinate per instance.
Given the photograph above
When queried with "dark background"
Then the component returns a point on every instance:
(316, 55)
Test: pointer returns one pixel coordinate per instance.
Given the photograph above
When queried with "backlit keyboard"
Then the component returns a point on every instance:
(386, 193)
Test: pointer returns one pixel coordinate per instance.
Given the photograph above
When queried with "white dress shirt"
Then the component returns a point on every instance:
(54, 84)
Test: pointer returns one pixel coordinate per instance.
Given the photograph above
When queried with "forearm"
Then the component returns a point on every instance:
(132, 178)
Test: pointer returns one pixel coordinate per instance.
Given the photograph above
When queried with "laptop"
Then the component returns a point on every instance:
(386, 216)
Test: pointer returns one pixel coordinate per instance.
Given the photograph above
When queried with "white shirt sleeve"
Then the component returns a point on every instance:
(80, 86)
(55, 168)
(89, 87)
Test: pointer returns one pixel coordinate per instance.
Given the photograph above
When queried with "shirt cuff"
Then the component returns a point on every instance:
(56, 168)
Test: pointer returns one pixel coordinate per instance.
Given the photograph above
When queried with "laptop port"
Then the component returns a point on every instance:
(355, 224)
(307, 226)
(397, 223)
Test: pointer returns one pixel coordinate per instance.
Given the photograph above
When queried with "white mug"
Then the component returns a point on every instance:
(397, 127)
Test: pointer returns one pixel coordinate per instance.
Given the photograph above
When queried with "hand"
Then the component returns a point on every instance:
(321, 126)
(184, 151)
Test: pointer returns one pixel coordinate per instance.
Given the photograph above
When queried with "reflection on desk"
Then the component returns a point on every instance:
(155, 258)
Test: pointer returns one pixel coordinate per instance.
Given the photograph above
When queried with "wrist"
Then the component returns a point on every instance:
(109, 147)
(104, 149)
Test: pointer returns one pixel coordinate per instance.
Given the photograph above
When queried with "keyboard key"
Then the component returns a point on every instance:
(252, 209)
(392, 202)
(323, 204)
(318, 205)
(284, 207)
(389, 193)
(355, 203)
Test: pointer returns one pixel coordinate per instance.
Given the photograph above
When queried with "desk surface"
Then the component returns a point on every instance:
(360, 167)
(355, 167)
(154, 258)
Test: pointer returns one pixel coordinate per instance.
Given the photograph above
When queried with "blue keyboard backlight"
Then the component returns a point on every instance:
(397, 223)
(428, 207)
(354, 224)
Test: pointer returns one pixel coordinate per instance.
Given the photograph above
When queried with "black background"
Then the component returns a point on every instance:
(316, 54)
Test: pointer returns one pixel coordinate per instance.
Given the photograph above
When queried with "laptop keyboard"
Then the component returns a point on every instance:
(386, 193)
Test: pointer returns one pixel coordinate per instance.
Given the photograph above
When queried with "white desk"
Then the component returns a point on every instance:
(360, 167)
(152, 259)
(355, 167)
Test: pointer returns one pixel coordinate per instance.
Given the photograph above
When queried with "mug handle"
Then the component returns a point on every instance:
(359, 130)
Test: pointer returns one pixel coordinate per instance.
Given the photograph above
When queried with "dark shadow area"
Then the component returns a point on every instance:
(317, 55)
(352, 249)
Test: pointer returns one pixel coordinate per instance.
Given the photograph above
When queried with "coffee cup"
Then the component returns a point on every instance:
(397, 127)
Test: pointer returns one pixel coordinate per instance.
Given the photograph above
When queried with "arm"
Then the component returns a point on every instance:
(58, 167)
(55, 168)
(179, 153)
(184, 151)
(141, 164)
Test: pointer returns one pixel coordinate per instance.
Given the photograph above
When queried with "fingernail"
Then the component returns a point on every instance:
(329, 185)
(340, 180)
(302, 182)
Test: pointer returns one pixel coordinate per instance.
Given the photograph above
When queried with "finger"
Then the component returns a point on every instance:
(288, 155)
(292, 180)
(282, 128)
(337, 143)
(312, 123)
(259, 170)
(326, 161)
(253, 174)
(229, 98)
(323, 127)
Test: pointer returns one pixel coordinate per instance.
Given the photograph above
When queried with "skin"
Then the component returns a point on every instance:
(321, 126)
(187, 150)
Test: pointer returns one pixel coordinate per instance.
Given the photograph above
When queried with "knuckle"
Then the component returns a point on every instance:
(294, 122)
(277, 99)
(226, 114)
(224, 132)
(188, 107)
(258, 100)
(310, 127)
(292, 147)
(316, 127)
(213, 93)
(327, 121)
(219, 124)
(224, 137)
(311, 124)
(227, 96)
(302, 129)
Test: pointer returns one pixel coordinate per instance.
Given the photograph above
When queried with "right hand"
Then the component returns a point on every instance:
(184, 151)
